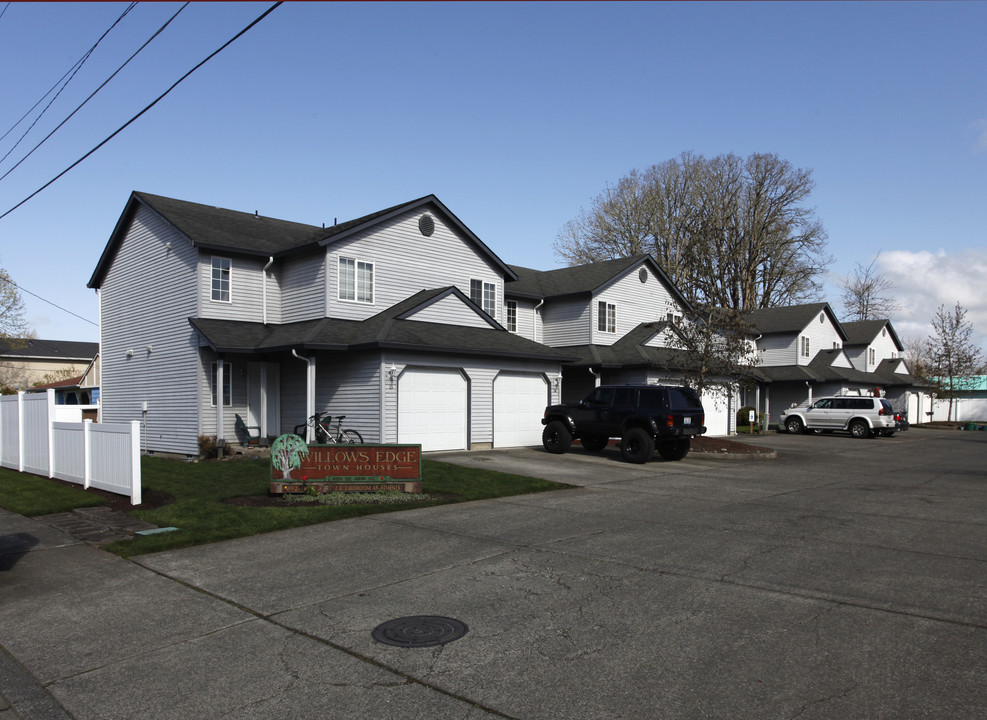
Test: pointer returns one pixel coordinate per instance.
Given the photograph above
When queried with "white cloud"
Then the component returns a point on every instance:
(923, 281)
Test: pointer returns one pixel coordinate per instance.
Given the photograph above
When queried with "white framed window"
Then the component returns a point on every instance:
(606, 317)
(221, 269)
(511, 307)
(805, 346)
(356, 280)
(484, 294)
(227, 384)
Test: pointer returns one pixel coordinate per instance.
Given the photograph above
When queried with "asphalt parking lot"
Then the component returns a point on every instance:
(845, 578)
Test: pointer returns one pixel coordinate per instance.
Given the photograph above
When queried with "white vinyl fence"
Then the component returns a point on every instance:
(99, 455)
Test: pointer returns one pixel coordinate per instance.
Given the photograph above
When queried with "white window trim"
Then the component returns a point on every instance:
(229, 280)
(605, 312)
(484, 285)
(227, 383)
(510, 315)
(357, 262)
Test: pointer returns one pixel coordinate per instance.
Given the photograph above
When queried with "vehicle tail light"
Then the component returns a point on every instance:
(898, 418)
(670, 421)
(881, 411)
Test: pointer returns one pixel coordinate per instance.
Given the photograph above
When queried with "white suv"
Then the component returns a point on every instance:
(862, 416)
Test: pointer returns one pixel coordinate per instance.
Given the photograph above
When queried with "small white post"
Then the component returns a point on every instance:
(135, 462)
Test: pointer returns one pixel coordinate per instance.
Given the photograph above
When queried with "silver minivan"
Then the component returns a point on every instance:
(862, 416)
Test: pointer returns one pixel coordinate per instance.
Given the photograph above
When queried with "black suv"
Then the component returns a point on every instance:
(644, 417)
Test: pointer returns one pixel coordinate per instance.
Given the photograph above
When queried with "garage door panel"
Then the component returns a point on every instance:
(432, 408)
(519, 403)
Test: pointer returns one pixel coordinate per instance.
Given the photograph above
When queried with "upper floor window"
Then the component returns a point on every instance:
(872, 356)
(484, 294)
(221, 279)
(511, 306)
(606, 317)
(356, 280)
(805, 346)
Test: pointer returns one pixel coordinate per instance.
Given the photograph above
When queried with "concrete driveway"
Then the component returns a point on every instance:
(847, 578)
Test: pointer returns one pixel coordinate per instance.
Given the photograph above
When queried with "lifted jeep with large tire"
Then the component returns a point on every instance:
(644, 417)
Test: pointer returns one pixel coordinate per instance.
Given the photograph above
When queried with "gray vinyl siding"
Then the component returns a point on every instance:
(778, 350)
(303, 281)
(350, 386)
(146, 299)
(405, 262)
(822, 336)
(450, 310)
(246, 290)
(635, 303)
(567, 322)
(528, 320)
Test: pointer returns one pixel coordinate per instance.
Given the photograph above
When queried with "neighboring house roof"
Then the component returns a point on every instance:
(387, 329)
(70, 383)
(220, 230)
(864, 332)
(34, 349)
(791, 319)
(583, 279)
(630, 351)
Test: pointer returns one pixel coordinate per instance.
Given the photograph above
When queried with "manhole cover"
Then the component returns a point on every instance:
(419, 631)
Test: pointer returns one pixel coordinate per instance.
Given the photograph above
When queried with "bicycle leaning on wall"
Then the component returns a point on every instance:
(326, 434)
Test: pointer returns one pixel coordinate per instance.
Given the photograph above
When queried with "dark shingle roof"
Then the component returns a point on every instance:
(790, 319)
(582, 279)
(863, 332)
(384, 330)
(235, 232)
(49, 349)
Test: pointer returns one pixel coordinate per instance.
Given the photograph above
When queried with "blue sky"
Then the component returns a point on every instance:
(515, 115)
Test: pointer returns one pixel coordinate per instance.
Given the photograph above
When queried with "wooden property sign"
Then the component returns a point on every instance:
(297, 467)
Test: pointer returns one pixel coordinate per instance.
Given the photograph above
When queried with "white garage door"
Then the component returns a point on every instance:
(432, 408)
(519, 403)
(717, 413)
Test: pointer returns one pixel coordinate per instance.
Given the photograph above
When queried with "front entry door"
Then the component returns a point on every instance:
(264, 398)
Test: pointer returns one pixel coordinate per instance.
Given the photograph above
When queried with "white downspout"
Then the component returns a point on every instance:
(595, 375)
(263, 280)
(535, 333)
(810, 391)
(309, 394)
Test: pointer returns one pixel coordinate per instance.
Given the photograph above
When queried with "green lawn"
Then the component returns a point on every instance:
(200, 488)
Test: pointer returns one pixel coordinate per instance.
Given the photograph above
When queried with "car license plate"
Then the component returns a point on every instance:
(687, 421)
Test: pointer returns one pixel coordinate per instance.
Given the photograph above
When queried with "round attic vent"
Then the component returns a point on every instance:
(426, 224)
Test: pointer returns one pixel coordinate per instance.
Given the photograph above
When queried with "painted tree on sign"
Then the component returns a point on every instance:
(287, 452)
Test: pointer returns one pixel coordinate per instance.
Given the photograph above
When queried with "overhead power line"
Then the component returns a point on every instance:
(51, 303)
(83, 103)
(148, 107)
(70, 73)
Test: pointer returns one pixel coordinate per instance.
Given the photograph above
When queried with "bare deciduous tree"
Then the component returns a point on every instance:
(12, 322)
(730, 232)
(718, 348)
(953, 356)
(866, 294)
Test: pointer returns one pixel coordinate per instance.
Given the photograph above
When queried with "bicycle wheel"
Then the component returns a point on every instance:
(351, 436)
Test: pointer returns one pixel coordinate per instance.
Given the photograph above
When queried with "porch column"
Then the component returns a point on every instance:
(220, 402)
(309, 394)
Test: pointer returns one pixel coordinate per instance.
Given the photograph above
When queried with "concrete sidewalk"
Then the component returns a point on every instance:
(782, 589)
